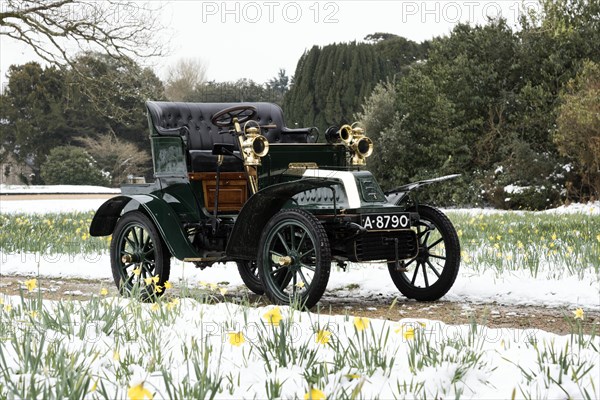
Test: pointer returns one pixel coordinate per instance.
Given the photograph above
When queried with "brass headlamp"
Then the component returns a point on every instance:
(355, 140)
(254, 146)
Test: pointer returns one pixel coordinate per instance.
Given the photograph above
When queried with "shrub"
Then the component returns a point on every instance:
(69, 165)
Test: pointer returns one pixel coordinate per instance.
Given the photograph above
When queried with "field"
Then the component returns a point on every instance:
(193, 344)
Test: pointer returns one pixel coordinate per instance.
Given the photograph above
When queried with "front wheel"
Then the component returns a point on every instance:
(432, 273)
(139, 258)
(294, 258)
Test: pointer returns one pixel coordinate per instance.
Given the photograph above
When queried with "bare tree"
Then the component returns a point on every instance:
(53, 27)
(184, 77)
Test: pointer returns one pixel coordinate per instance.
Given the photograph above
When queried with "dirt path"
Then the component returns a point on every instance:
(492, 315)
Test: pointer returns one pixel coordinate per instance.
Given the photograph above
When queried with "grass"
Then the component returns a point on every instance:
(536, 243)
(557, 246)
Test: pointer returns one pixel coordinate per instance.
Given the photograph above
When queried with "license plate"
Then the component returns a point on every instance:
(382, 222)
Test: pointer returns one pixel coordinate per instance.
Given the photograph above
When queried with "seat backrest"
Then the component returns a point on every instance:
(197, 117)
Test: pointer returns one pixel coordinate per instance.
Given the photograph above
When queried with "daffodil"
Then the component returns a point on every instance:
(7, 308)
(223, 291)
(236, 338)
(158, 288)
(155, 307)
(104, 291)
(352, 376)
(409, 333)
(273, 316)
(31, 284)
(579, 314)
(300, 285)
(155, 279)
(361, 323)
(94, 386)
(315, 394)
(33, 314)
(168, 285)
(323, 336)
(149, 280)
(137, 271)
(139, 392)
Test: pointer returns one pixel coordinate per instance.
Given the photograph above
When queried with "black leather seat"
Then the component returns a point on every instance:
(170, 117)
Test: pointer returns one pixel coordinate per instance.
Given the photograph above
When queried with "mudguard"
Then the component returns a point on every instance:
(258, 210)
(395, 196)
(163, 216)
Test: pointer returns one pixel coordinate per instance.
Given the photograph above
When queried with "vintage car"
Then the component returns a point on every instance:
(233, 183)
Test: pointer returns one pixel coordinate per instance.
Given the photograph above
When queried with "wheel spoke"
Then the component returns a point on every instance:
(412, 281)
(438, 257)
(301, 241)
(150, 251)
(410, 262)
(292, 237)
(285, 245)
(307, 253)
(130, 242)
(278, 270)
(136, 241)
(286, 279)
(294, 287)
(435, 271)
(425, 276)
(426, 238)
(435, 243)
(309, 267)
(306, 284)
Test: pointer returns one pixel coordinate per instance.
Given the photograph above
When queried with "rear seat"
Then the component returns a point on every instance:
(203, 134)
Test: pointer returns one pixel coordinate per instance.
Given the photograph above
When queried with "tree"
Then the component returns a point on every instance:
(116, 158)
(578, 129)
(31, 113)
(69, 165)
(52, 27)
(184, 78)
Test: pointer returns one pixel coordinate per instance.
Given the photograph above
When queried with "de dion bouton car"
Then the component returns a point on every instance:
(233, 183)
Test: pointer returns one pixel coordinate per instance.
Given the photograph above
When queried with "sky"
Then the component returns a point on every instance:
(254, 39)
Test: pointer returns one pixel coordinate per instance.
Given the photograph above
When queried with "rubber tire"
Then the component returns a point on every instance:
(451, 266)
(320, 241)
(162, 260)
(251, 279)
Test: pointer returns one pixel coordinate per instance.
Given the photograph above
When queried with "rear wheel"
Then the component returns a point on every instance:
(432, 273)
(294, 258)
(139, 258)
(249, 272)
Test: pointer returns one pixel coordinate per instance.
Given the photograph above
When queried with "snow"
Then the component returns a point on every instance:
(360, 281)
(49, 206)
(56, 189)
(440, 361)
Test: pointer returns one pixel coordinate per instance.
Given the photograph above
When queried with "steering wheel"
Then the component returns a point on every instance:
(224, 118)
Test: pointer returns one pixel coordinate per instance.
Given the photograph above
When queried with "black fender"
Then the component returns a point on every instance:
(258, 210)
(395, 196)
(163, 216)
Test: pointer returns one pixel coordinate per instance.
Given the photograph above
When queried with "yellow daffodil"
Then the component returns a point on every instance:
(300, 285)
(31, 284)
(158, 288)
(352, 376)
(137, 271)
(213, 286)
(7, 308)
(1, 301)
(236, 338)
(598, 237)
(155, 279)
(33, 314)
(323, 336)
(139, 392)
(554, 237)
(172, 304)
(223, 291)
(315, 394)
(168, 285)
(579, 314)
(94, 386)
(155, 307)
(361, 323)
(409, 333)
(203, 284)
(498, 237)
(273, 316)
(104, 291)
(149, 280)
(116, 355)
